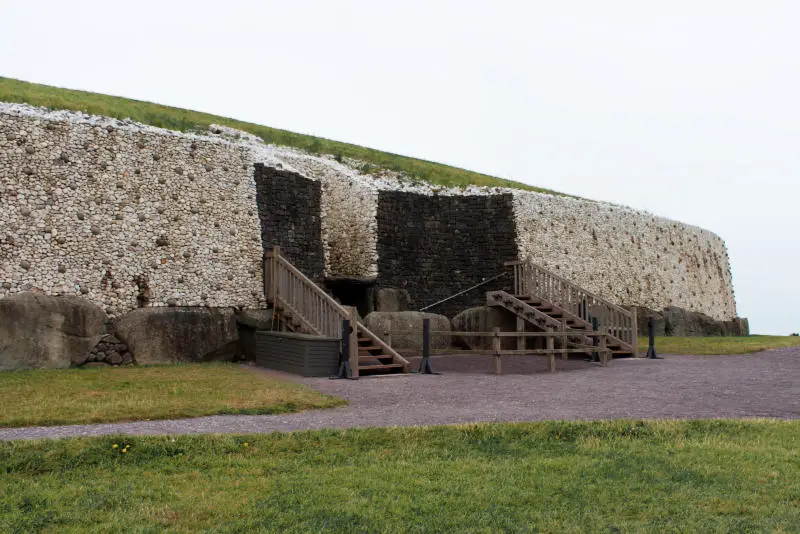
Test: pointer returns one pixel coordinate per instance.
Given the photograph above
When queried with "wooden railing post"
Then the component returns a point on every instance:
(551, 354)
(635, 330)
(353, 317)
(498, 362)
(388, 332)
(603, 350)
(276, 252)
(520, 330)
(564, 349)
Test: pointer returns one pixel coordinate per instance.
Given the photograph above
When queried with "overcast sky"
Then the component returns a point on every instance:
(688, 109)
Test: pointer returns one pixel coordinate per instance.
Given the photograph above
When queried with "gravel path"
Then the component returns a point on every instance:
(756, 385)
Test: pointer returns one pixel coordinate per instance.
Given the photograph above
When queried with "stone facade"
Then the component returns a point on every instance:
(130, 216)
(125, 215)
(289, 209)
(435, 246)
(626, 256)
(348, 211)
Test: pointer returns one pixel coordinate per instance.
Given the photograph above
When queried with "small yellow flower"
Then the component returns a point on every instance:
(246, 444)
(114, 446)
(124, 451)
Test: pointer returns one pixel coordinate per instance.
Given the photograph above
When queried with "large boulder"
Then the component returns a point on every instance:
(643, 316)
(392, 300)
(484, 319)
(42, 332)
(410, 322)
(177, 334)
(679, 322)
(256, 319)
(248, 322)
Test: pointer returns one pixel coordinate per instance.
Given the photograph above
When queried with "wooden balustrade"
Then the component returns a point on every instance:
(315, 310)
(534, 280)
(306, 301)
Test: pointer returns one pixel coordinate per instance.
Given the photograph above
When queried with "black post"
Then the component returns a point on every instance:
(344, 358)
(595, 340)
(425, 364)
(651, 350)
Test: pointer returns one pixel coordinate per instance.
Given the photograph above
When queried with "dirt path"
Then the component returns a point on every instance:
(756, 385)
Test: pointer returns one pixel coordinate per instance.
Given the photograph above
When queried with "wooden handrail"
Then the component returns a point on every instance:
(308, 303)
(307, 281)
(535, 280)
(576, 286)
(312, 307)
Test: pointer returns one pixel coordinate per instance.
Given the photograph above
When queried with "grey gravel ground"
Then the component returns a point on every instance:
(755, 385)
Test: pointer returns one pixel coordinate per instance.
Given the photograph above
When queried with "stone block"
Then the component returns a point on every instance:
(179, 334)
(411, 323)
(392, 300)
(484, 319)
(42, 332)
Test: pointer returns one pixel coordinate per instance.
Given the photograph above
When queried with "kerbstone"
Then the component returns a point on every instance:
(180, 334)
(43, 332)
(411, 323)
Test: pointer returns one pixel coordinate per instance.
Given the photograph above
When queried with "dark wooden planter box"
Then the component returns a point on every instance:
(299, 354)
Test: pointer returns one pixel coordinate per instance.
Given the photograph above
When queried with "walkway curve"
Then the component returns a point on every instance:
(766, 384)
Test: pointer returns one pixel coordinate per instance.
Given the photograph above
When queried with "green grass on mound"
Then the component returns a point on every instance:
(718, 345)
(100, 395)
(185, 120)
(711, 476)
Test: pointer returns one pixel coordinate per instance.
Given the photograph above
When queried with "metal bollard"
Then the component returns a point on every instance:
(425, 365)
(344, 358)
(651, 350)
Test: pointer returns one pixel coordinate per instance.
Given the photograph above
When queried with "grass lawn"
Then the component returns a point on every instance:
(718, 345)
(707, 476)
(185, 120)
(96, 395)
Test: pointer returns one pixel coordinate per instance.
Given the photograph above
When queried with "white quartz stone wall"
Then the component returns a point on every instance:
(89, 204)
(627, 256)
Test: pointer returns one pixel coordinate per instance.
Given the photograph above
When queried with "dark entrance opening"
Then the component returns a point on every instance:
(358, 292)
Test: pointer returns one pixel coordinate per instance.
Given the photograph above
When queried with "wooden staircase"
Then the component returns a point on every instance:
(551, 302)
(305, 307)
(523, 307)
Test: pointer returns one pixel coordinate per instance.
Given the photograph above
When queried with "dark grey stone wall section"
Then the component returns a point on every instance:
(435, 246)
(289, 210)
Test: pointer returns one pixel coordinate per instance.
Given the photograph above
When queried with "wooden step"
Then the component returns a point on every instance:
(383, 360)
(370, 347)
(374, 360)
(383, 366)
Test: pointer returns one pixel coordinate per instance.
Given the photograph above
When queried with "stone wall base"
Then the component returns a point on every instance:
(678, 322)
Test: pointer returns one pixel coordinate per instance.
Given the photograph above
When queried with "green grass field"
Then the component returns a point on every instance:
(711, 476)
(185, 120)
(99, 395)
(718, 345)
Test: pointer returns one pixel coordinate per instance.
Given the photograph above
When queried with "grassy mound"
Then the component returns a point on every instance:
(185, 120)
